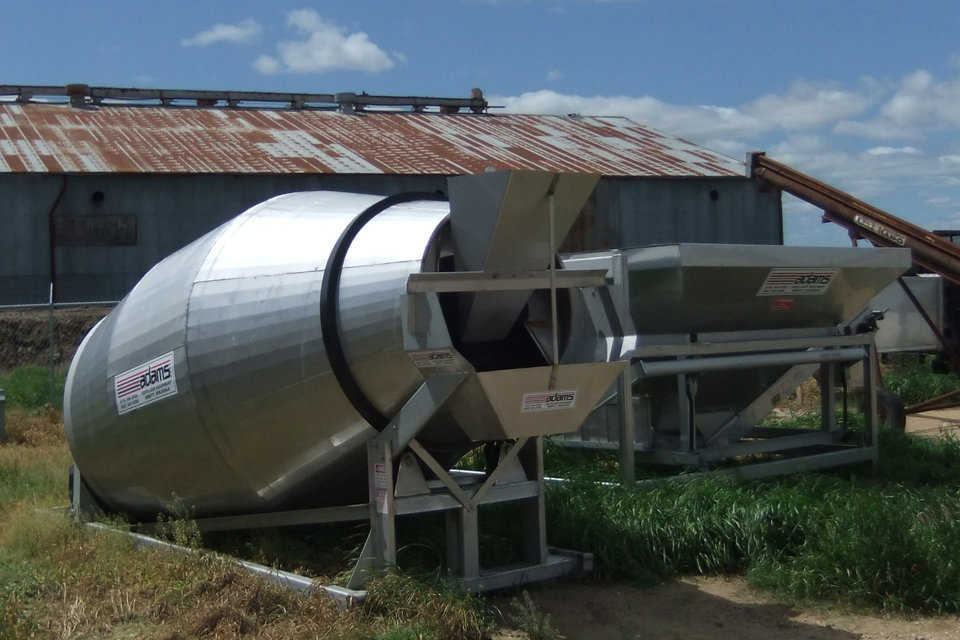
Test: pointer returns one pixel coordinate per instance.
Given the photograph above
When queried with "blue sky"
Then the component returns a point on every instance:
(864, 95)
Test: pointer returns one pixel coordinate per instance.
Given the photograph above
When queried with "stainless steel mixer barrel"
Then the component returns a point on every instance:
(211, 381)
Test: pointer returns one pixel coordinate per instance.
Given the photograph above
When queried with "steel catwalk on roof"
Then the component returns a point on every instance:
(57, 138)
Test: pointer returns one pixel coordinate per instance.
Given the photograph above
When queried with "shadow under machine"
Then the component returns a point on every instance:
(329, 356)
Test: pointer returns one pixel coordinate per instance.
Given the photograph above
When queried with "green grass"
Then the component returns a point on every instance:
(912, 379)
(61, 579)
(28, 387)
(888, 542)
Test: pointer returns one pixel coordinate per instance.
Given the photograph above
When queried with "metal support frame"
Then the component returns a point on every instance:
(685, 361)
(828, 352)
(517, 478)
(285, 579)
(83, 504)
(465, 281)
(947, 347)
(748, 417)
(461, 504)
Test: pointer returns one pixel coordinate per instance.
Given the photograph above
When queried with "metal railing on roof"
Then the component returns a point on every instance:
(81, 95)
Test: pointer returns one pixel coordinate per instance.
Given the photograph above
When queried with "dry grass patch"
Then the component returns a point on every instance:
(41, 428)
(60, 579)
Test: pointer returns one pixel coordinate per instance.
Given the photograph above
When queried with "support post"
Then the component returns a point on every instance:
(82, 502)
(382, 510)
(628, 427)
(469, 539)
(693, 381)
(534, 511)
(683, 413)
(452, 525)
(53, 400)
(3, 416)
(828, 398)
(870, 394)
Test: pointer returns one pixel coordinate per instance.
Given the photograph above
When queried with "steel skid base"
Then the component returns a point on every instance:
(738, 436)
(398, 487)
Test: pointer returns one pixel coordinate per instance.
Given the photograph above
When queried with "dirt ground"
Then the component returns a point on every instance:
(717, 609)
(935, 423)
(25, 335)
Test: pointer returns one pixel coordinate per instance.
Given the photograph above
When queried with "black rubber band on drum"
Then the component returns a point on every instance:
(330, 306)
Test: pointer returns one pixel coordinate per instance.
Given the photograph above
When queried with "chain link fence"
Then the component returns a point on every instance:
(37, 342)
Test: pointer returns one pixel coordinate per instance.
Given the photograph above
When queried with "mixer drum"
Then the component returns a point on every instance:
(210, 382)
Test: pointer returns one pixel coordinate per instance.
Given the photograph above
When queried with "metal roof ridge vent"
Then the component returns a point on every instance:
(350, 102)
(78, 93)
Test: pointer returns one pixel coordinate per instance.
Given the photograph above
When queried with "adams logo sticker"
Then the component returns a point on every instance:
(145, 384)
(549, 400)
(797, 282)
(435, 359)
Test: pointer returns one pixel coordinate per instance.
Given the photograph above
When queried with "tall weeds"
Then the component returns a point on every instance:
(889, 542)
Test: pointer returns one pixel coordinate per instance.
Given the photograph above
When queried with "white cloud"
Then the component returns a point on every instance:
(266, 64)
(950, 160)
(919, 105)
(694, 121)
(878, 129)
(939, 201)
(554, 74)
(889, 151)
(730, 147)
(326, 47)
(244, 32)
(805, 105)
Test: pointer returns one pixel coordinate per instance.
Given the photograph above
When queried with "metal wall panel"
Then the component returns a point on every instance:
(642, 212)
(173, 210)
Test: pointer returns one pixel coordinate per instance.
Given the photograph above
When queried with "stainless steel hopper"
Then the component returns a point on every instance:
(717, 334)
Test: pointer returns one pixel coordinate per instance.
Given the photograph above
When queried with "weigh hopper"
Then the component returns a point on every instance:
(775, 313)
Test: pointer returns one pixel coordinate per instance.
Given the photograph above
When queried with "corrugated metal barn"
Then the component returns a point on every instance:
(92, 192)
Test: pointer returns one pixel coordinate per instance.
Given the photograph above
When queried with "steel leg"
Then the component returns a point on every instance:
(469, 538)
(83, 504)
(828, 400)
(452, 523)
(382, 511)
(627, 428)
(683, 413)
(534, 516)
(870, 382)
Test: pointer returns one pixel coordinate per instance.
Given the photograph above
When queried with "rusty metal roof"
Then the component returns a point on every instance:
(58, 138)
